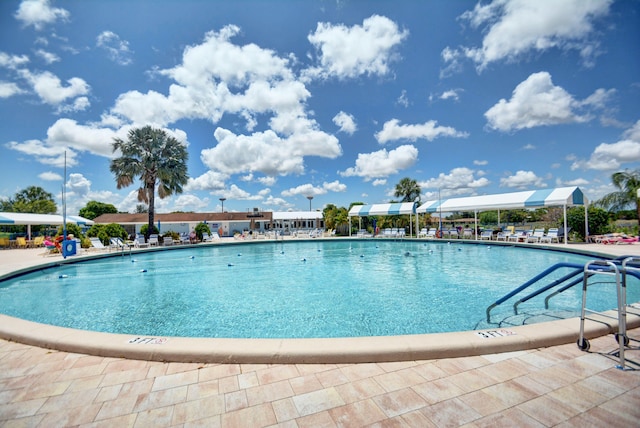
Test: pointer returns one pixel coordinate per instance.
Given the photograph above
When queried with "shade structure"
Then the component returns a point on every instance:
(383, 209)
(563, 196)
(30, 219)
(395, 208)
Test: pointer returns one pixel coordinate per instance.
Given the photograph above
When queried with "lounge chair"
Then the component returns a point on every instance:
(153, 240)
(118, 244)
(453, 233)
(96, 244)
(206, 237)
(535, 236)
(503, 235)
(467, 234)
(167, 240)
(423, 232)
(486, 234)
(140, 243)
(432, 233)
(550, 236)
(21, 242)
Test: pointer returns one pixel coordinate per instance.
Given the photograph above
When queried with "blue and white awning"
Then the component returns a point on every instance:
(383, 209)
(563, 196)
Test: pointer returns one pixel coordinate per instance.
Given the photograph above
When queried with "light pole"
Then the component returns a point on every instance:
(222, 201)
(310, 198)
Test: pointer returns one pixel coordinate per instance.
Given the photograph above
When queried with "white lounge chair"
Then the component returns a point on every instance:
(551, 234)
(140, 243)
(535, 236)
(153, 240)
(118, 243)
(486, 234)
(96, 244)
(167, 240)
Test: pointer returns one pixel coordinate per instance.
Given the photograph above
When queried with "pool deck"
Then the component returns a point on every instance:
(548, 384)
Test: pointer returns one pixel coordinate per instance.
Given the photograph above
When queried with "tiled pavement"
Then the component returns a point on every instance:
(557, 386)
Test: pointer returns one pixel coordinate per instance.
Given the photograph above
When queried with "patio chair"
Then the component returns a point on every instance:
(153, 240)
(140, 243)
(167, 241)
(96, 244)
(486, 234)
(551, 234)
(535, 236)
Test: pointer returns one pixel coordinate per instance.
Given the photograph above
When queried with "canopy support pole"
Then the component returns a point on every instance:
(564, 207)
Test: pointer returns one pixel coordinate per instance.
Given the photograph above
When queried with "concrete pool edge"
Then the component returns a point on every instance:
(307, 351)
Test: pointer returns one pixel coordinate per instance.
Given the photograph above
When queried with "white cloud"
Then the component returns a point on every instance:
(190, 203)
(457, 182)
(304, 190)
(68, 133)
(51, 90)
(334, 186)
(346, 122)
(451, 94)
(9, 89)
(379, 182)
(38, 13)
(538, 102)
(45, 153)
(403, 100)
(382, 163)
(514, 29)
(78, 184)
(392, 131)
(48, 57)
(116, 48)
(609, 157)
(522, 180)
(50, 176)
(213, 181)
(480, 162)
(348, 52)
(266, 152)
(12, 62)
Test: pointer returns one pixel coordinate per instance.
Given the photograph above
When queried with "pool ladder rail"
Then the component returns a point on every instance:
(620, 268)
(629, 265)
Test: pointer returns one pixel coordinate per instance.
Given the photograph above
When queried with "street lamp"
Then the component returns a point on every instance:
(222, 201)
(310, 198)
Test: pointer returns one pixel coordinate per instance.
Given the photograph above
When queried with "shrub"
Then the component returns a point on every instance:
(200, 229)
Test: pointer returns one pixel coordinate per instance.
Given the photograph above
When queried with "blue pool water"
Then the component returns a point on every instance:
(292, 289)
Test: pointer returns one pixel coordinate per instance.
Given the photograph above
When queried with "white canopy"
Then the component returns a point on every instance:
(7, 218)
(563, 196)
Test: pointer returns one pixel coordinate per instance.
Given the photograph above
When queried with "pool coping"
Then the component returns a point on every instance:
(313, 350)
(323, 350)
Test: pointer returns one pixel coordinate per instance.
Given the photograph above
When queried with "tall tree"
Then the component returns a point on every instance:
(33, 199)
(628, 183)
(154, 157)
(408, 189)
(95, 209)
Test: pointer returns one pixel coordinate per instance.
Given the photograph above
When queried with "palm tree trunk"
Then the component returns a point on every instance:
(151, 196)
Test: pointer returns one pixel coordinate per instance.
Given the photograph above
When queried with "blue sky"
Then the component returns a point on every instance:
(339, 100)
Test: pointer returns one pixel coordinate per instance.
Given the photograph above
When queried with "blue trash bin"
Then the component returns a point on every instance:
(68, 248)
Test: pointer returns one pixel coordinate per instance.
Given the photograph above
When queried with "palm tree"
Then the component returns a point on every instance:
(408, 189)
(628, 182)
(154, 157)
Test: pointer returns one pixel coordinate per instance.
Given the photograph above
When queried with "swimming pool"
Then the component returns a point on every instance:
(289, 290)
